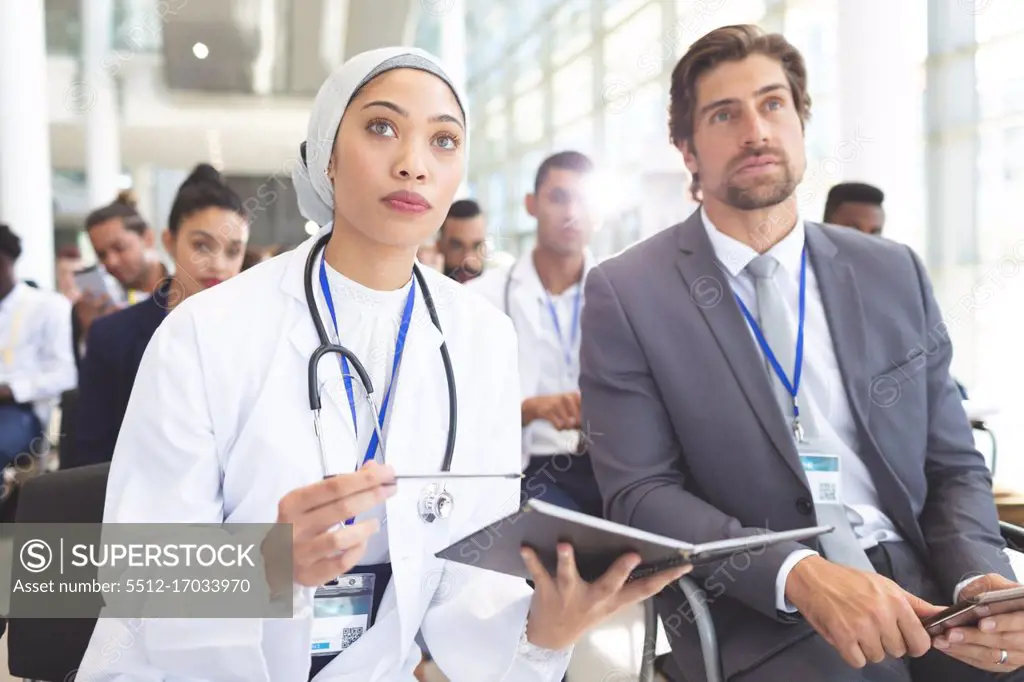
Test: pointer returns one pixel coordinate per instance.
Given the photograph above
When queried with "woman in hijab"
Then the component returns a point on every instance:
(219, 428)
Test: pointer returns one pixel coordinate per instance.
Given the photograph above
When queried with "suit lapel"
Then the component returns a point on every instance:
(840, 297)
(844, 312)
(711, 290)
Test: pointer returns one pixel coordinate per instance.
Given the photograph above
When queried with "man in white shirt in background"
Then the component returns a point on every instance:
(36, 361)
(543, 295)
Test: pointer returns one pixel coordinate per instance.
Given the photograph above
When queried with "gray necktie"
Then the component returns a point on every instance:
(841, 546)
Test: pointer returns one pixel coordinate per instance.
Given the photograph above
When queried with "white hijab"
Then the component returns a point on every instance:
(314, 188)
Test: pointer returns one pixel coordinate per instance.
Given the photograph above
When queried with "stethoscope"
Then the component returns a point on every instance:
(435, 501)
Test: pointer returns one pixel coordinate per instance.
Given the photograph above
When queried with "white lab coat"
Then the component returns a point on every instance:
(218, 428)
(36, 357)
(540, 349)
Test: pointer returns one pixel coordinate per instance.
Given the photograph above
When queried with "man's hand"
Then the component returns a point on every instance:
(91, 307)
(982, 645)
(561, 409)
(864, 616)
(321, 548)
(565, 606)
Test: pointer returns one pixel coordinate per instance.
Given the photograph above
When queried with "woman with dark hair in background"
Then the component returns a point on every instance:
(206, 236)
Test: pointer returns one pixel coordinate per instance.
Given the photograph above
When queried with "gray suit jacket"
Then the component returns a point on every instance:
(689, 442)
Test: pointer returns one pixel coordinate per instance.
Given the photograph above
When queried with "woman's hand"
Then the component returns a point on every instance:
(565, 606)
(321, 548)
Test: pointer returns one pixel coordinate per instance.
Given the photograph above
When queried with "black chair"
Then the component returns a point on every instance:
(68, 427)
(51, 649)
(1014, 536)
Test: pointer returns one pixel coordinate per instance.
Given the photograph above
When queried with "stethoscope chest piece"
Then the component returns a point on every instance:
(436, 503)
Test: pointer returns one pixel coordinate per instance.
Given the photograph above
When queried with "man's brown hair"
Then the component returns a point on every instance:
(726, 44)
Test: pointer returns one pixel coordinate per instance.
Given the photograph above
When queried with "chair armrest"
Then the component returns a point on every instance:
(705, 629)
(1014, 535)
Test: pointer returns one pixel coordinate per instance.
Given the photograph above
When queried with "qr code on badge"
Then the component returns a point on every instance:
(827, 492)
(349, 635)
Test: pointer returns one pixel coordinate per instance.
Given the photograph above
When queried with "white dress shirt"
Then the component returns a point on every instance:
(36, 357)
(822, 389)
(544, 368)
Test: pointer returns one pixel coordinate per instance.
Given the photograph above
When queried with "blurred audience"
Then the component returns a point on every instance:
(124, 245)
(69, 260)
(462, 240)
(256, 255)
(429, 256)
(206, 235)
(543, 295)
(36, 362)
(857, 205)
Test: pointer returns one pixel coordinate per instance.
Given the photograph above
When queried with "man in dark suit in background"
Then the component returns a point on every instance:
(727, 365)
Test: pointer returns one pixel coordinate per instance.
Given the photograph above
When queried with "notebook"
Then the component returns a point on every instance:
(597, 543)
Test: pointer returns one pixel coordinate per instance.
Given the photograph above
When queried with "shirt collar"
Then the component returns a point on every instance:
(734, 255)
(525, 271)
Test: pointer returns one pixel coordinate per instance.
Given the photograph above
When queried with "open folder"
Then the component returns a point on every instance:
(597, 543)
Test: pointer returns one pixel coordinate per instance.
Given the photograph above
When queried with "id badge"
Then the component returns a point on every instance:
(342, 612)
(822, 473)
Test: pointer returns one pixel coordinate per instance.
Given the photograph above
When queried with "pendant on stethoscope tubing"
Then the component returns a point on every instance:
(436, 503)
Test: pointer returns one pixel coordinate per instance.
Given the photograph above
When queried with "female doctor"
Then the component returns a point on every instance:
(219, 427)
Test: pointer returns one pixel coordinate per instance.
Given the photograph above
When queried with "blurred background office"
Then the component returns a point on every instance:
(923, 99)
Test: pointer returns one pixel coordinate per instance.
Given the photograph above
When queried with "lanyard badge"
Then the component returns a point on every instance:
(566, 346)
(342, 612)
(403, 331)
(792, 387)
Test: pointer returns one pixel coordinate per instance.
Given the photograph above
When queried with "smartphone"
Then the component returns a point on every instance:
(966, 612)
(92, 280)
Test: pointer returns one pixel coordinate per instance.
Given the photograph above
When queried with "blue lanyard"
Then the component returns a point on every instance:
(793, 387)
(403, 330)
(566, 350)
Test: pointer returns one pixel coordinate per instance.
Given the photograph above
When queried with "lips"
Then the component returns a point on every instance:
(211, 282)
(756, 162)
(407, 202)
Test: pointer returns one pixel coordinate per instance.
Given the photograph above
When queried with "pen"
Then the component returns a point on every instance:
(449, 474)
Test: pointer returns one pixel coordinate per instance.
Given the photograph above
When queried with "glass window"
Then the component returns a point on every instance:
(997, 19)
(497, 137)
(637, 132)
(577, 136)
(529, 117)
(571, 31)
(497, 194)
(528, 63)
(617, 10)
(528, 172)
(573, 88)
(1000, 78)
(634, 51)
(1000, 175)
(697, 17)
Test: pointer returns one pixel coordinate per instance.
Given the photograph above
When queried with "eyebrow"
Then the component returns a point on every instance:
(437, 118)
(204, 233)
(732, 100)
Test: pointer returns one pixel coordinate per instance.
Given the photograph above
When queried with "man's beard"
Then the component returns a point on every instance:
(770, 192)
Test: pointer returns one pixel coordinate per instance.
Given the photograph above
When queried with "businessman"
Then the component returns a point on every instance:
(749, 369)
